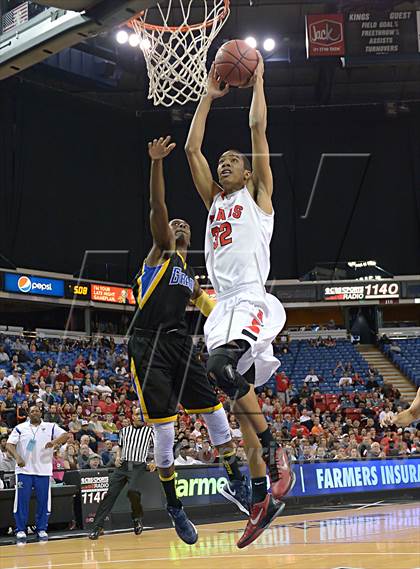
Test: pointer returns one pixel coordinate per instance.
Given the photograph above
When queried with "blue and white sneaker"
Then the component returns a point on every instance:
(20, 538)
(183, 527)
(42, 535)
(239, 493)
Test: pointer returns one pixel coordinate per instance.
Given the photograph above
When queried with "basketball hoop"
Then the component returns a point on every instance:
(176, 54)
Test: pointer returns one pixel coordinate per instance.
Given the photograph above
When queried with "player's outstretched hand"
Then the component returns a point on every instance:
(259, 72)
(215, 86)
(388, 421)
(159, 149)
(405, 418)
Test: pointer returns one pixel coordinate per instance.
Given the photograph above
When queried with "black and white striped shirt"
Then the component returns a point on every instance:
(135, 443)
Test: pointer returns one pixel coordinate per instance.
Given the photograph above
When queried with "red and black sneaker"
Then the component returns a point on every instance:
(261, 516)
(281, 475)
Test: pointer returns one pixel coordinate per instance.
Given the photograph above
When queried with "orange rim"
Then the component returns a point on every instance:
(139, 22)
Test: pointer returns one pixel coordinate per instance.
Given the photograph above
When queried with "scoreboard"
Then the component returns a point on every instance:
(381, 33)
(80, 291)
(365, 36)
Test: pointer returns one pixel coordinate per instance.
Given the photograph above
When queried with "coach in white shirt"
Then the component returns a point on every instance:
(32, 444)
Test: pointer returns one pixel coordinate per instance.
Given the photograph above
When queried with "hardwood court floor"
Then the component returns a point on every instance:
(366, 538)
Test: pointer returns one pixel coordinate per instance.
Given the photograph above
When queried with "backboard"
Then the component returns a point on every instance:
(28, 34)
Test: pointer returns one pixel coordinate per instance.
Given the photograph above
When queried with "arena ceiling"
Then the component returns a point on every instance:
(292, 83)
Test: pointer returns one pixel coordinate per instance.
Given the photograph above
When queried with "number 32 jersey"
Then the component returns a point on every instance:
(237, 247)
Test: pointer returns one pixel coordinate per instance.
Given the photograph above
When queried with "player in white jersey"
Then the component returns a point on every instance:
(240, 330)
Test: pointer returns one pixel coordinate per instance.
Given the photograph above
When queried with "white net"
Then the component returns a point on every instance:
(176, 55)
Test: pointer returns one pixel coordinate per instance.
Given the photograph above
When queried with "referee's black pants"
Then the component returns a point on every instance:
(130, 473)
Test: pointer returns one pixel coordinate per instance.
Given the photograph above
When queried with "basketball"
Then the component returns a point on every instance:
(236, 62)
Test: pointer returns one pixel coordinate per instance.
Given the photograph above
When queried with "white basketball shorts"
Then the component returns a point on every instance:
(256, 319)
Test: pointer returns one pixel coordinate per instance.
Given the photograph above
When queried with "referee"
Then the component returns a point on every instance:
(133, 447)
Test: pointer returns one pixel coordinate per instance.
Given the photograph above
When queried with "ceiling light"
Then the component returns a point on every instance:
(269, 44)
(122, 37)
(251, 41)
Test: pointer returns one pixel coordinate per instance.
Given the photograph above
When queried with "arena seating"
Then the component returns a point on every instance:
(296, 364)
(408, 360)
(323, 360)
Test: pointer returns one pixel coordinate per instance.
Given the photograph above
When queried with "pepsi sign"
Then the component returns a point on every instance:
(28, 284)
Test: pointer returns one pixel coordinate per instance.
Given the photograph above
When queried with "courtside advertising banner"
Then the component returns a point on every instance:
(93, 488)
(201, 485)
(114, 294)
(325, 35)
(29, 284)
(316, 479)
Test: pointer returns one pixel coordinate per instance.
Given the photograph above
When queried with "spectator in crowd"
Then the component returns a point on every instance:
(386, 416)
(22, 412)
(7, 462)
(306, 419)
(282, 386)
(110, 428)
(311, 379)
(235, 431)
(87, 434)
(207, 454)
(345, 381)
(3, 379)
(75, 425)
(52, 416)
(4, 356)
(83, 456)
(185, 457)
(60, 465)
(267, 407)
(94, 461)
(70, 455)
(108, 455)
(375, 451)
(8, 409)
(372, 383)
(102, 388)
(395, 348)
(317, 429)
(96, 425)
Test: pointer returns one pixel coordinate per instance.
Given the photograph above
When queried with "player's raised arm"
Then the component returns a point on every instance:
(200, 169)
(159, 221)
(261, 170)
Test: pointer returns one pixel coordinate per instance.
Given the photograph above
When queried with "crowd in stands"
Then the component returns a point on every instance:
(85, 386)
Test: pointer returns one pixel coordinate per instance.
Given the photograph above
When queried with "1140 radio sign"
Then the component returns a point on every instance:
(368, 291)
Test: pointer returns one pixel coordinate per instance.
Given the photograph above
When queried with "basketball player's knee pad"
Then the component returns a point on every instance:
(221, 367)
(218, 427)
(164, 444)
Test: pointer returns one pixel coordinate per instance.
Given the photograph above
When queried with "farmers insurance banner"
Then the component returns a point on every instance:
(200, 486)
(316, 479)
